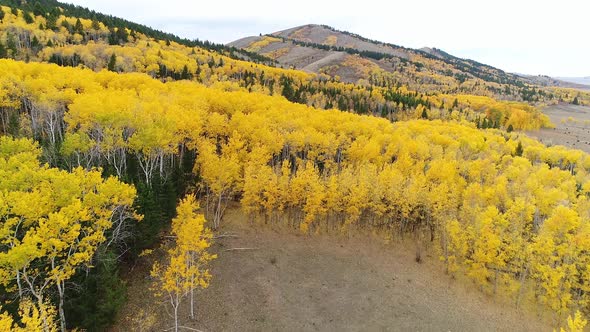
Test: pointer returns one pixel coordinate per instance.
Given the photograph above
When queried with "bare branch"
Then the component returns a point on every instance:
(239, 249)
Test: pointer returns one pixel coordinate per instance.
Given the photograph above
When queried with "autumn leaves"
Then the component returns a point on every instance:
(51, 224)
(513, 224)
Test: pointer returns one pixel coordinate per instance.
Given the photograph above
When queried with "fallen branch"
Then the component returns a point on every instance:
(189, 328)
(235, 249)
(184, 327)
(225, 235)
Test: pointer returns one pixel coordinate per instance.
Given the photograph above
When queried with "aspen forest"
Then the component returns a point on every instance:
(120, 143)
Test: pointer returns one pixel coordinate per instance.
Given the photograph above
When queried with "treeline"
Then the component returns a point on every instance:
(349, 50)
(506, 211)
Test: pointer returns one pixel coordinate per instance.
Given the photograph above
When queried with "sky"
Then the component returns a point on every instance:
(522, 36)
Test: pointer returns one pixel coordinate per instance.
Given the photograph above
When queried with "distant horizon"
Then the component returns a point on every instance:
(532, 39)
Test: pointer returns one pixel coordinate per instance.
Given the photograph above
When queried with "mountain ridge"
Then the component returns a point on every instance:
(304, 47)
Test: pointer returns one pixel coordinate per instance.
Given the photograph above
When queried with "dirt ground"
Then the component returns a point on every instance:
(572, 127)
(292, 282)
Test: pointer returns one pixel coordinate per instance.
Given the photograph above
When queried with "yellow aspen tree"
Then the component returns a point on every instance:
(221, 173)
(553, 260)
(49, 240)
(185, 269)
(577, 323)
(31, 317)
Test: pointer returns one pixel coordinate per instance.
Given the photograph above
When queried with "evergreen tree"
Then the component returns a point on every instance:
(28, 17)
(576, 101)
(101, 292)
(11, 45)
(68, 26)
(1, 14)
(112, 63)
(185, 75)
(3, 51)
(424, 114)
(51, 22)
(510, 128)
(519, 150)
(38, 10)
(113, 37)
(95, 24)
(122, 35)
(78, 27)
(35, 42)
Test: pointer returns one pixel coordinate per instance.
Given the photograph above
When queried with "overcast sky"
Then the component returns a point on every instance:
(532, 37)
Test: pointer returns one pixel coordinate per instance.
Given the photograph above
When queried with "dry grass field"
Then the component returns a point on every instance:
(572, 127)
(292, 282)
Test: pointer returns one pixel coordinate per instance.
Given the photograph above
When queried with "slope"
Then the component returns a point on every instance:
(120, 46)
(313, 48)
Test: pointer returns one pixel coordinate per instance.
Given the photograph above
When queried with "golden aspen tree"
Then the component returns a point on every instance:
(185, 269)
(526, 236)
(577, 323)
(31, 317)
(553, 258)
(48, 241)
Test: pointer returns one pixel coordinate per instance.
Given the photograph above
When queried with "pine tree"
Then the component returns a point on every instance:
(185, 75)
(576, 101)
(78, 27)
(3, 51)
(519, 150)
(112, 63)
(424, 114)
(28, 17)
(95, 24)
(11, 45)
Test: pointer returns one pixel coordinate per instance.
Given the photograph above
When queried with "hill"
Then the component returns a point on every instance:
(353, 58)
(89, 103)
(42, 33)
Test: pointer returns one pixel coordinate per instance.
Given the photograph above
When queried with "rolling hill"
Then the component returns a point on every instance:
(356, 59)
(134, 158)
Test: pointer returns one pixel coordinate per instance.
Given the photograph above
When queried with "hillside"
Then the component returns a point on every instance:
(120, 46)
(128, 154)
(322, 49)
(457, 190)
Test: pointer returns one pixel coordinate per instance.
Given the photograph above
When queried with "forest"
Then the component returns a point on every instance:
(112, 135)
